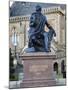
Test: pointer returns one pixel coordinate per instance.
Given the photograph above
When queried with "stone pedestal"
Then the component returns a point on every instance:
(38, 69)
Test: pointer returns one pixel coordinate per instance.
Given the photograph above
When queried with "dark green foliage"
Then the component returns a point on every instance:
(12, 76)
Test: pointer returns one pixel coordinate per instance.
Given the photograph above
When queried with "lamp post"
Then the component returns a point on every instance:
(15, 62)
(14, 39)
(15, 43)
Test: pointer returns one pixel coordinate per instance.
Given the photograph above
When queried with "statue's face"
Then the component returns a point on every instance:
(32, 20)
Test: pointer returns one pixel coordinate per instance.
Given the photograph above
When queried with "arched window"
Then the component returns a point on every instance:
(55, 67)
(20, 23)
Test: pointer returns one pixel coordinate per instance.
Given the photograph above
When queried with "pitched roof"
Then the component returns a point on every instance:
(25, 8)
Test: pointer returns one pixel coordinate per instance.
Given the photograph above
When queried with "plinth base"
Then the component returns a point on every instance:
(37, 83)
(38, 69)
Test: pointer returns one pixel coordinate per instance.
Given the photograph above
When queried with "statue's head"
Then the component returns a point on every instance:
(38, 8)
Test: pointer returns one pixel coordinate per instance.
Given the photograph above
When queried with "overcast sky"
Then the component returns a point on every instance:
(11, 2)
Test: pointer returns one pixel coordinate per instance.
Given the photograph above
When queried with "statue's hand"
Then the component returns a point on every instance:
(51, 28)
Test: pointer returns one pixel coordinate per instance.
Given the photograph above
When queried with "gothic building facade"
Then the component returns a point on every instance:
(56, 16)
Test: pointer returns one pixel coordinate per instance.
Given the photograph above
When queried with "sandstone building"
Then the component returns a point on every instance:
(56, 16)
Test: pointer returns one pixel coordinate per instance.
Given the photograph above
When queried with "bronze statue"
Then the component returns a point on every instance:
(39, 40)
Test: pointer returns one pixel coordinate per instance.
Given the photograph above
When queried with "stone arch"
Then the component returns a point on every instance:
(55, 67)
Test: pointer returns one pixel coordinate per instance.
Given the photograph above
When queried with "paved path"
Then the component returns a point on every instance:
(61, 81)
(14, 84)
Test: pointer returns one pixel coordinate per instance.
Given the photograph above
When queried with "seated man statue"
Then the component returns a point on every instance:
(39, 40)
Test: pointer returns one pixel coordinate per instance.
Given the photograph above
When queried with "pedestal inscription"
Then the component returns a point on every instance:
(37, 70)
